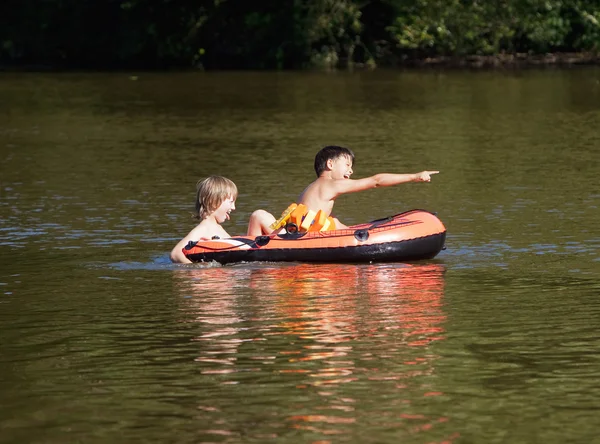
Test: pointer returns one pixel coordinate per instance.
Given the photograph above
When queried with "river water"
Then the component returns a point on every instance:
(102, 339)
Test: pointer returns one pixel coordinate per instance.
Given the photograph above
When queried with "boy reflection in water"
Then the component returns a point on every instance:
(324, 326)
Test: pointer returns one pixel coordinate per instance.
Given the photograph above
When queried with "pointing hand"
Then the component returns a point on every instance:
(425, 176)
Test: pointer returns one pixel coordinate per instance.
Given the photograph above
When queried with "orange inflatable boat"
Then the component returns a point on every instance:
(409, 236)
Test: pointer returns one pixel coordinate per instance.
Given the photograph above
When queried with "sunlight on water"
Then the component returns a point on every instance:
(105, 340)
(328, 333)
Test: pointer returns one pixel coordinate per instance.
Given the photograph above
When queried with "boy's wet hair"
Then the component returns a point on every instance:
(330, 152)
(210, 194)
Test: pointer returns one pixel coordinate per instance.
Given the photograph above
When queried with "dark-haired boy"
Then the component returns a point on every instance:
(333, 165)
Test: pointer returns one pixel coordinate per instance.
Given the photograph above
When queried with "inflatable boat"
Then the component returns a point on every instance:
(409, 236)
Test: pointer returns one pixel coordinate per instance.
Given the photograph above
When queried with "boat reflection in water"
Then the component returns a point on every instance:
(345, 338)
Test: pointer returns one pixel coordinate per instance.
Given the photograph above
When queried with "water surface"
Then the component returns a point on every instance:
(103, 340)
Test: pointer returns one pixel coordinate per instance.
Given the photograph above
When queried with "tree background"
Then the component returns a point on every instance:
(286, 34)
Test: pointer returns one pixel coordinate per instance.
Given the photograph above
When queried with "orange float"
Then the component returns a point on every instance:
(409, 236)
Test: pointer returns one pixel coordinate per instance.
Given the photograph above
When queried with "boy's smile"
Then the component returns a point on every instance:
(341, 168)
(223, 212)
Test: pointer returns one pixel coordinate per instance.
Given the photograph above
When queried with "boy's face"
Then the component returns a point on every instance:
(341, 167)
(222, 213)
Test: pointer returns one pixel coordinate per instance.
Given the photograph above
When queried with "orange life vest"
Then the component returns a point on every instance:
(304, 219)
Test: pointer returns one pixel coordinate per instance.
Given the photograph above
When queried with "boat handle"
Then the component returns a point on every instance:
(261, 241)
(361, 235)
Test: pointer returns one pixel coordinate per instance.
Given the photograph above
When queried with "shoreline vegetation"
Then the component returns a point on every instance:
(519, 60)
(297, 34)
(487, 62)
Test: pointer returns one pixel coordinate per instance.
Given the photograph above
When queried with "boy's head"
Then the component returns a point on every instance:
(331, 152)
(211, 192)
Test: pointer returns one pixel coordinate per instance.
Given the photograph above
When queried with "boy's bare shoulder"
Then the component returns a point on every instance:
(313, 189)
(199, 229)
(206, 230)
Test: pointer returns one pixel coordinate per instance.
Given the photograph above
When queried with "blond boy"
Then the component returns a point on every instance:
(215, 200)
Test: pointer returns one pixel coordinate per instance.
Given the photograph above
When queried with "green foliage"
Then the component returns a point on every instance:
(462, 27)
(332, 29)
(280, 34)
(453, 27)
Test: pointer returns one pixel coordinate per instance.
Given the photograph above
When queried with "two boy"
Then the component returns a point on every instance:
(333, 166)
